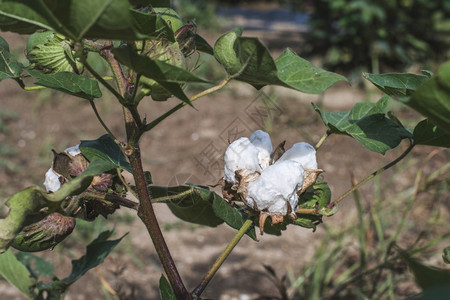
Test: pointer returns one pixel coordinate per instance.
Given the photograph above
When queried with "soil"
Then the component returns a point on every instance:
(187, 147)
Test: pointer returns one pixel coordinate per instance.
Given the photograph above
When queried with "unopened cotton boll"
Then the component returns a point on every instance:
(303, 153)
(51, 183)
(241, 154)
(262, 142)
(277, 185)
(73, 151)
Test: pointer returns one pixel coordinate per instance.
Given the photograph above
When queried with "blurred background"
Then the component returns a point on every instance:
(354, 254)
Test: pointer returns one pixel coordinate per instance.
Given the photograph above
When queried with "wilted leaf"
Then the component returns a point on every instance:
(368, 124)
(70, 83)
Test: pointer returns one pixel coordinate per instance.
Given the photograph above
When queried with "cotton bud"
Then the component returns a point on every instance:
(44, 234)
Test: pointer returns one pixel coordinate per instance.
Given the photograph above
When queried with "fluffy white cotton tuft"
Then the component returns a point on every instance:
(303, 153)
(241, 154)
(276, 186)
(261, 140)
(73, 151)
(51, 182)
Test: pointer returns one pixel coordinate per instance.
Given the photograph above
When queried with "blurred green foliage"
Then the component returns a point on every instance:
(377, 34)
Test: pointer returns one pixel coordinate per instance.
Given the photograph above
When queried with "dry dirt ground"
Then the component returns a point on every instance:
(188, 145)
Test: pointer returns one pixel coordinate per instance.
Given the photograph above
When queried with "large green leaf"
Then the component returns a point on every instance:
(396, 84)
(16, 273)
(432, 98)
(300, 74)
(250, 61)
(367, 123)
(9, 68)
(70, 83)
(169, 76)
(188, 202)
(103, 154)
(427, 133)
(110, 19)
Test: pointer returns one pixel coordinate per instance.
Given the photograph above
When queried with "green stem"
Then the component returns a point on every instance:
(322, 140)
(212, 271)
(374, 174)
(94, 108)
(173, 197)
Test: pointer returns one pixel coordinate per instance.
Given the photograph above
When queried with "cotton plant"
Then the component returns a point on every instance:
(266, 185)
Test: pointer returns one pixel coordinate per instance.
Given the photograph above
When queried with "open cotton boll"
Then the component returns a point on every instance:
(73, 151)
(240, 154)
(302, 153)
(51, 183)
(277, 185)
(261, 140)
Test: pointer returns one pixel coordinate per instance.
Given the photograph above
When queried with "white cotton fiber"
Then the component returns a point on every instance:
(262, 142)
(51, 182)
(303, 153)
(73, 151)
(276, 186)
(241, 154)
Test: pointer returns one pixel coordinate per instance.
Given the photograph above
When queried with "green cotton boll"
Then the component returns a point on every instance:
(50, 52)
(44, 234)
(164, 51)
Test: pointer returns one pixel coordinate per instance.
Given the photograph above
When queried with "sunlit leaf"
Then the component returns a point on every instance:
(70, 83)
(9, 68)
(248, 60)
(396, 84)
(367, 123)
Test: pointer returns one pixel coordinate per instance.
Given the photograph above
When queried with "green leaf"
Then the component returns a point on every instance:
(202, 45)
(165, 290)
(36, 265)
(250, 61)
(427, 133)
(70, 83)
(188, 202)
(300, 74)
(367, 123)
(9, 68)
(169, 76)
(436, 292)
(432, 98)
(104, 155)
(426, 276)
(17, 273)
(396, 84)
(96, 252)
(76, 19)
(233, 216)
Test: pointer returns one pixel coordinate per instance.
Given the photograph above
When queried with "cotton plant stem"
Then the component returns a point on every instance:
(99, 118)
(374, 174)
(212, 271)
(322, 140)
